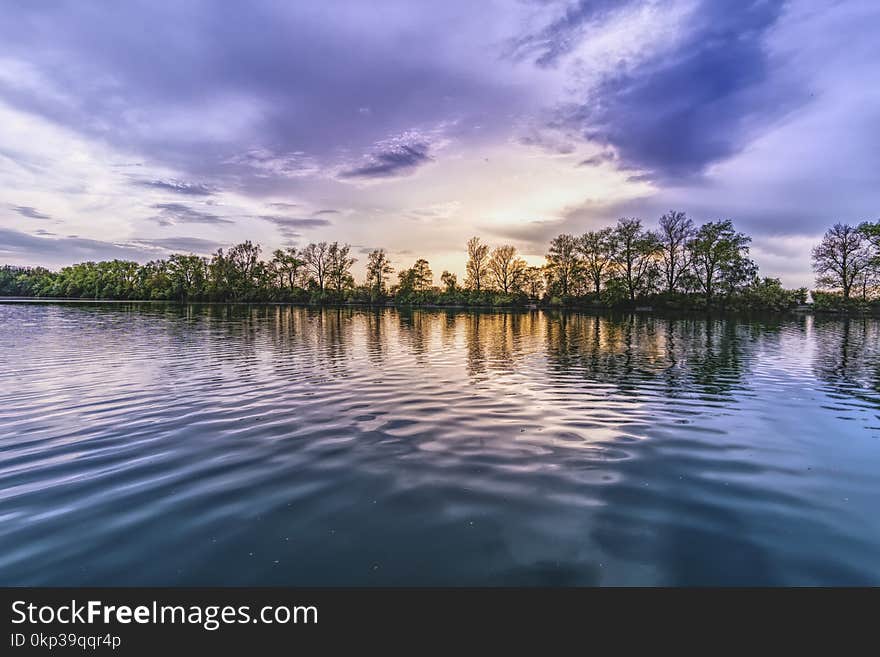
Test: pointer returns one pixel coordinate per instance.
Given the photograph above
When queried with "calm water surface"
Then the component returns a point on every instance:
(145, 444)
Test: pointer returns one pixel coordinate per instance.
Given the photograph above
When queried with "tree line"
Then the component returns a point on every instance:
(677, 265)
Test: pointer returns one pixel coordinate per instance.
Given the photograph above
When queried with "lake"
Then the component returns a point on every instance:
(147, 444)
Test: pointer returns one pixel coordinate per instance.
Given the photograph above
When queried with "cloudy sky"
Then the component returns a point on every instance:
(132, 129)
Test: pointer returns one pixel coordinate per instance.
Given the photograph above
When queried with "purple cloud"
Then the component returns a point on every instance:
(179, 187)
(179, 213)
(29, 212)
(393, 157)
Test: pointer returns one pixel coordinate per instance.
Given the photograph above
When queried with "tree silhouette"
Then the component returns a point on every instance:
(477, 264)
(841, 257)
(564, 264)
(507, 268)
(597, 249)
(635, 252)
(378, 268)
(676, 230)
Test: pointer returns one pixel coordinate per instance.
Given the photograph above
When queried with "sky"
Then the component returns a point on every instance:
(140, 128)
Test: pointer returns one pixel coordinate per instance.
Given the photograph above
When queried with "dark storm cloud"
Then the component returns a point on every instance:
(179, 187)
(393, 159)
(29, 212)
(701, 102)
(179, 213)
(261, 87)
(104, 75)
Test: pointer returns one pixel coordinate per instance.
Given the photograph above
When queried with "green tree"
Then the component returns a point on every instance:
(123, 279)
(635, 255)
(564, 263)
(449, 281)
(423, 277)
(533, 282)
(597, 249)
(719, 258)
(187, 276)
(153, 281)
(378, 269)
(768, 294)
(871, 231)
(245, 271)
(339, 264)
(414, 282)
(506, 268)
(287, 265)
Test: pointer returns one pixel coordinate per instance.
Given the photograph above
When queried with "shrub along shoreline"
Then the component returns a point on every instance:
(676, 267)
(806, 308)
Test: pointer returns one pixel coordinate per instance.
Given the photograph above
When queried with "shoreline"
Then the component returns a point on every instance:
(641, 310)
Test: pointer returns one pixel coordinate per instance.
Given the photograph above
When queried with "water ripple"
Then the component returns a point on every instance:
(153, 444)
